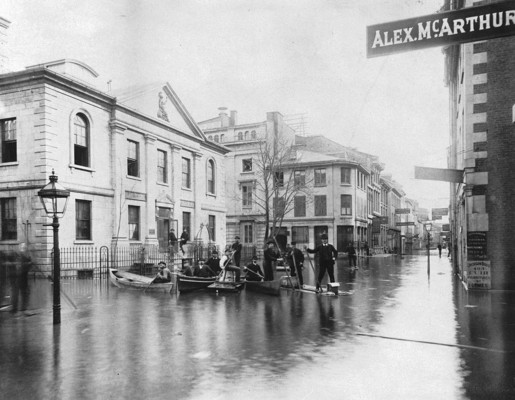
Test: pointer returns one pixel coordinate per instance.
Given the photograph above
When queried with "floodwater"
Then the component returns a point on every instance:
(404, 333)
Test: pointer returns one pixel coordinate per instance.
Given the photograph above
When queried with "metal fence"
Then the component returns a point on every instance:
(88, 261)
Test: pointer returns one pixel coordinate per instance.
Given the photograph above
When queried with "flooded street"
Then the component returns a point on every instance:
(402, 334)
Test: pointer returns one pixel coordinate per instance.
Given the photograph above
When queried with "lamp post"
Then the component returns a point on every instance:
(428, 226)
(54, 198)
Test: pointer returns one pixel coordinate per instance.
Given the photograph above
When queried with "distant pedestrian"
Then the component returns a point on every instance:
(326, 258)
(449, 247)
(439, 250)
(351, 251)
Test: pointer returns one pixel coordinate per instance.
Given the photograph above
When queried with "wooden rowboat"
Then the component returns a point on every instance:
(272, 288)
(191, 283)
(128, 280)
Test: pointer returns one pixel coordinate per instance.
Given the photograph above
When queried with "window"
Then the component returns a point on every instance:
(248, 236)
(211, 176)
(82, 220)
(186, 173)
(162, 169)
(345, 175)
(246, 195)
(279, 179)
(134, 223)
(320, 177)
(211, 228)
(240, 135)
(80, 140)
(186, 221)
(247, 165)
(299, 177)
(320, 206)
(253, 135)
(346, 204)
(8, 132)
(279, 206)
(217, 138)
(300, 234)
(133, 159)
(9, 223)
(299, 206)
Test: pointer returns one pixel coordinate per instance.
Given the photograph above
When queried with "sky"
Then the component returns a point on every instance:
(304, 57)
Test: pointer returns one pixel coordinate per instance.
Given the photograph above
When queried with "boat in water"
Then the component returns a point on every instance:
(127, 280)
(187, 284)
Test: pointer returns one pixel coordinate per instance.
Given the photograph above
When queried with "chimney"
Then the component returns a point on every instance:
(234, 118)
(4, 59)
(224, 119)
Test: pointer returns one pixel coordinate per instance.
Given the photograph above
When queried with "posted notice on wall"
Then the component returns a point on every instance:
(478, 275)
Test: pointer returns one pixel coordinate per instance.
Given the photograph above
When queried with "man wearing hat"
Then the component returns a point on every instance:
(163, 275)
(326, 257)
(269, 255)
(236, 248)
(253, 270)
(213, 262)
(295, 260)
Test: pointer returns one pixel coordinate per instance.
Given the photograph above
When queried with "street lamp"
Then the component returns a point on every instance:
(428, 226)
(54, 198)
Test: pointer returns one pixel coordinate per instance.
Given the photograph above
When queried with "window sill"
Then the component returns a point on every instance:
(213, 195)
(84, 242)
(10, 241)
(10, 164)
(136, 178)
(187, 189)
(320, 185)
(247, 172)
(162, 183)
(81, 168)
(345, 184)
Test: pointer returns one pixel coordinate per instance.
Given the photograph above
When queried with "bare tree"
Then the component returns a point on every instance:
(277, 184)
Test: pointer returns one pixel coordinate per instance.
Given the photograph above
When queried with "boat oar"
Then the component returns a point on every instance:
(312, 266)
(152, 281)
(295, 266)
(255, 273)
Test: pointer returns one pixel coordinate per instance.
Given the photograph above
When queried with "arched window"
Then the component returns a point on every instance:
(211, 174)
(81, 140)
(253, 134)
(240, 135)
(217, 139)
(210, 138)
(246, 135)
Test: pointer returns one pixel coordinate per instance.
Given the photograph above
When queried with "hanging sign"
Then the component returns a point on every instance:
(469, 24)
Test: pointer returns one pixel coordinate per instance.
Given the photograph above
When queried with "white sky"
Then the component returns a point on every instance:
(292, 56)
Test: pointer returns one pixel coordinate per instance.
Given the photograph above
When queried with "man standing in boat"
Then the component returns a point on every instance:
(269, 255)
(326, 258)
(295, 259)
(236, 251)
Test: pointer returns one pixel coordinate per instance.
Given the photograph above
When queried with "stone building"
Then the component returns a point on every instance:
(340, 186)
(135, 165)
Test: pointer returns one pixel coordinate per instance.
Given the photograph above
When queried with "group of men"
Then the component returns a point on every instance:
(231, 260)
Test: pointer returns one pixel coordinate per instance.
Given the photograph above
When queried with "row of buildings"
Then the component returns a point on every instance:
(137, 164)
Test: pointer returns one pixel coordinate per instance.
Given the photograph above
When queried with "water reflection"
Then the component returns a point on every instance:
(128, 344)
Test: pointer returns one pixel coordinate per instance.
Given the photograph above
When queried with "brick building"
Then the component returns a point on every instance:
(481, 81)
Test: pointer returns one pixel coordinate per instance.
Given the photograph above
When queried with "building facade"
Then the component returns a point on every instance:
(339, 188)
(481, 81)
(133, 173)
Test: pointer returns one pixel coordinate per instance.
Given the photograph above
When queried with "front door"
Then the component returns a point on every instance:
(319, 231)
(163, 227)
